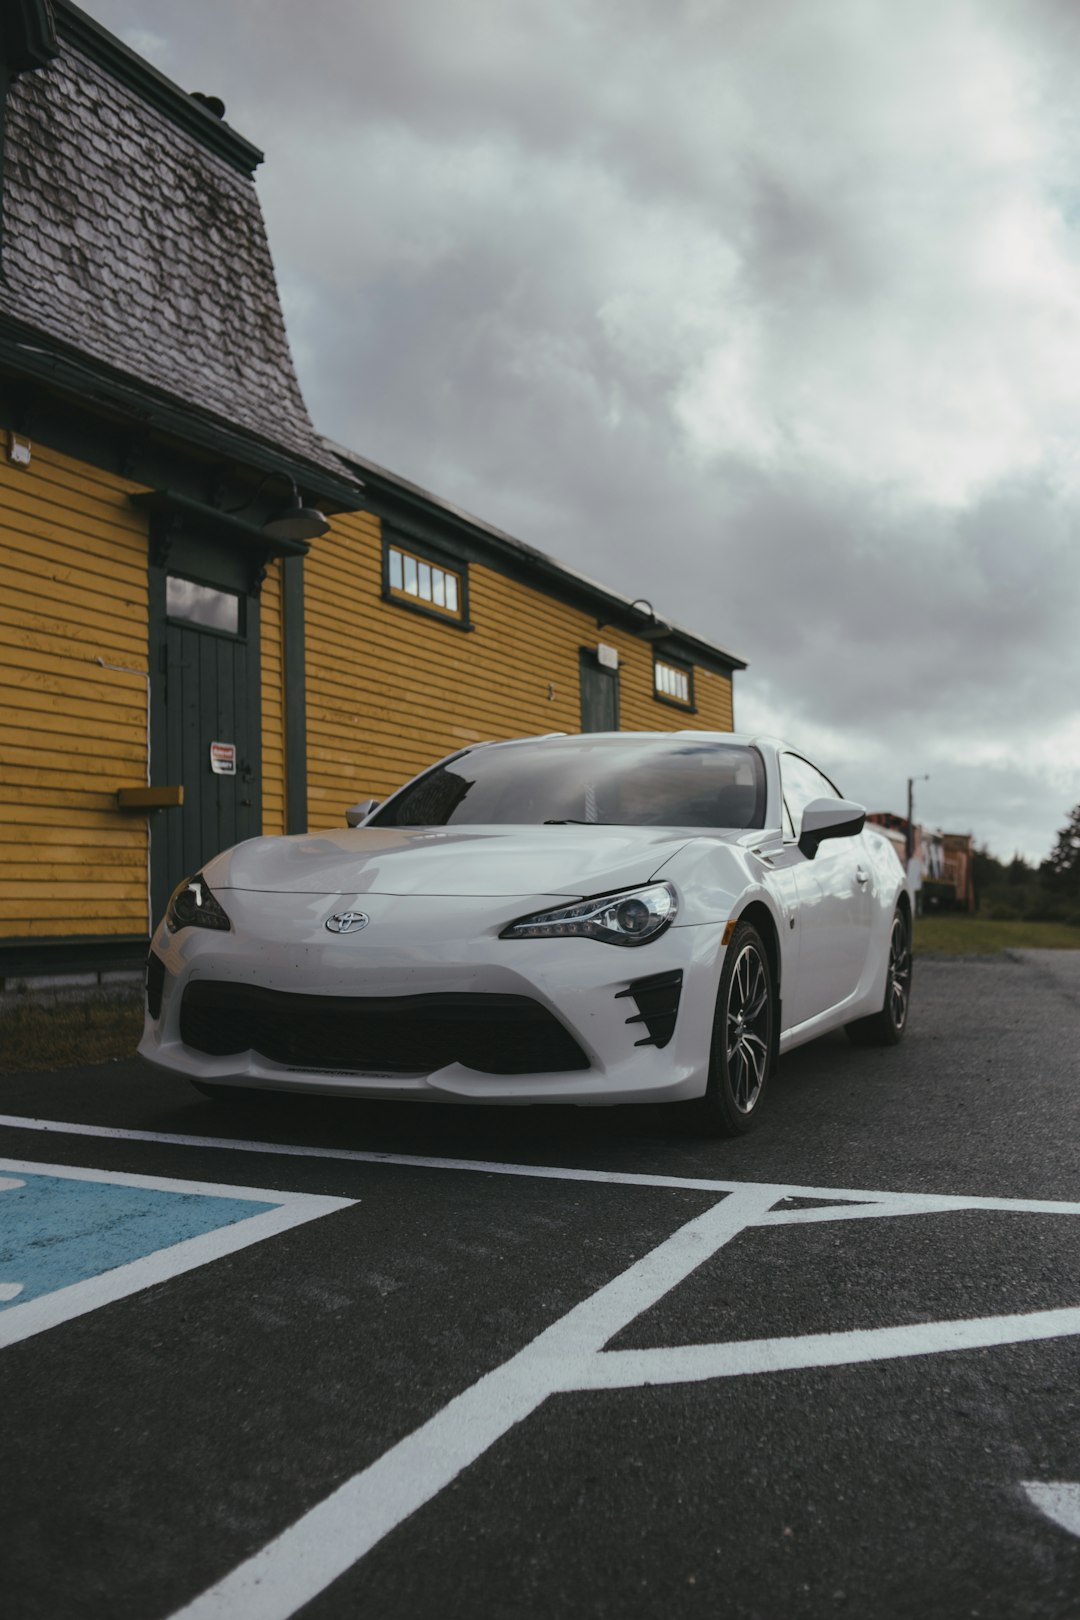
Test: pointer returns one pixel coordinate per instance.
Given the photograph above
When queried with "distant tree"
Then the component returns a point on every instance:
(1062, 870)
(988, 869)
(1018, 872)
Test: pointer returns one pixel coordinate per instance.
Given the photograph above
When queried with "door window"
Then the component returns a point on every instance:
(202, 605)
(801, 782)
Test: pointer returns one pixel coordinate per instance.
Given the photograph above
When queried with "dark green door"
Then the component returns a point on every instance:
(599, 694)
(212, 733)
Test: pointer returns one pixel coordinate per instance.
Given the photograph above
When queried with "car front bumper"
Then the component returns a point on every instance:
(443, 947)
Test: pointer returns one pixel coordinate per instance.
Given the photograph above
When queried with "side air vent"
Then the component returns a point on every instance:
(657, 999)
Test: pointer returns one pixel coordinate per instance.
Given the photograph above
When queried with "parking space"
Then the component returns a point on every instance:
(648, 1375)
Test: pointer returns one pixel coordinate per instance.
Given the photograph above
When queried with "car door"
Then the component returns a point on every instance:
(833, 899)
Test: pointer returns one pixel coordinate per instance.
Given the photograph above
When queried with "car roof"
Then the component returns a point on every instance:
(741, 739)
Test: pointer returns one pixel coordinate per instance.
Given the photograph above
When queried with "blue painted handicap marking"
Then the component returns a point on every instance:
(56, 1231)
(73, 1240)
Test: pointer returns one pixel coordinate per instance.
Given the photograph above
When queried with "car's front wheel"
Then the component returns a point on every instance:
(886, 1028)
(744, 1034)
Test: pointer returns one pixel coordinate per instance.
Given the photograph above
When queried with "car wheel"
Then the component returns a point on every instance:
(886, 1028)
(744, 1039)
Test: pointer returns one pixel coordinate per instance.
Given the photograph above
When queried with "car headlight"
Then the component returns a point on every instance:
(193, 906)
(631, 917)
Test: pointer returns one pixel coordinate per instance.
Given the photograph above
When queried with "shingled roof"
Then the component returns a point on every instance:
(134, 237)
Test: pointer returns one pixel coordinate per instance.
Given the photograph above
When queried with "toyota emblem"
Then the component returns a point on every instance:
(347, 922)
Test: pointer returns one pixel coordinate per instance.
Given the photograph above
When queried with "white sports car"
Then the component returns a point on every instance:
(609, 918)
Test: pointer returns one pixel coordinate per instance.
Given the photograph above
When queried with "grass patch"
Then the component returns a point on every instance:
(954, 934)
(36, 1036)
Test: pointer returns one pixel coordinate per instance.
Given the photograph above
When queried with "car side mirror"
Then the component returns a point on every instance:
(360, 812)
(829, 818)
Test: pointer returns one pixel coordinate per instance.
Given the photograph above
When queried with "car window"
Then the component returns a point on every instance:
(619, 781)
(801, 782)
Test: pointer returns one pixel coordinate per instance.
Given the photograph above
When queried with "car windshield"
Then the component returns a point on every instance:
(623, 781)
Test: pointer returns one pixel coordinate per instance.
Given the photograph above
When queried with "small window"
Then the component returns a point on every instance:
(423, 583)
(202, 605)
(673, 683)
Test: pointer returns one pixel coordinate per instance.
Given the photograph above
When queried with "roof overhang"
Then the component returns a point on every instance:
(166, 504)
(92, 385)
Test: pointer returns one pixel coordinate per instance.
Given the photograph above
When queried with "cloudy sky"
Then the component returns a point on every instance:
(769, 313)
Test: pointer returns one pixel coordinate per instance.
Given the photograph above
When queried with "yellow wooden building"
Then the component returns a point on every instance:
(213, 622)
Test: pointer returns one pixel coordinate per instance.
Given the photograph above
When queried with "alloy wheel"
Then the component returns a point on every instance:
(747, 1028)
(899, 972)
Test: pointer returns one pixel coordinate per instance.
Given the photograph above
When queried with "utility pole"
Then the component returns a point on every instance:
(911, 812)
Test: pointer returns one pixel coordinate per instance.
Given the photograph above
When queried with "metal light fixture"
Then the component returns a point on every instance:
(296, 521)
(656, 629)
(293, 522)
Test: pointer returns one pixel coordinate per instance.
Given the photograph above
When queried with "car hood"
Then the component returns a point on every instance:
(565, 860)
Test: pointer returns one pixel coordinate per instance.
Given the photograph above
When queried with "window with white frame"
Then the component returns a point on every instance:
(673, 683)
(418, 580)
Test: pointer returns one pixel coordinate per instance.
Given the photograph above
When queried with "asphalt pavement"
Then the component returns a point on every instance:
(395, 1360)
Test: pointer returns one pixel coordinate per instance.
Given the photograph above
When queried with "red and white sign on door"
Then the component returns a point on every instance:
(223, 758)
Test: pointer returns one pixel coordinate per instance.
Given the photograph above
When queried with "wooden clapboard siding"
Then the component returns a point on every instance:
(271, 631)
(389, 690)
(73, 563)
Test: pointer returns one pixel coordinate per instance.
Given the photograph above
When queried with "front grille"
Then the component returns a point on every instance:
(657, 999)
(388, 1034)
(155, 984)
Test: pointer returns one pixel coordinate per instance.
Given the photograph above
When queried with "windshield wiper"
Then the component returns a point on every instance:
(572, 821)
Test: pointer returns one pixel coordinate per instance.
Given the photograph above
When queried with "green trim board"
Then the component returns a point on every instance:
(292, 592)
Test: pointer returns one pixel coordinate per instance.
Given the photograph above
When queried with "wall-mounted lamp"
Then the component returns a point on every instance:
(655, 629)
(293, 522)
(296, 521)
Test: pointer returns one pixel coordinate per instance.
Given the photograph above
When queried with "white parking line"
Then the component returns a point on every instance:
(691, 1363)
(568, 1356)
(328, 1540)
(903, 1203)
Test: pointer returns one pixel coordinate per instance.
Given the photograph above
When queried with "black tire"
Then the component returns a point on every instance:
(745, 1034)
(886, 1028)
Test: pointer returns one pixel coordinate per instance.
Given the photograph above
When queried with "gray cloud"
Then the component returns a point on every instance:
(771, 314)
